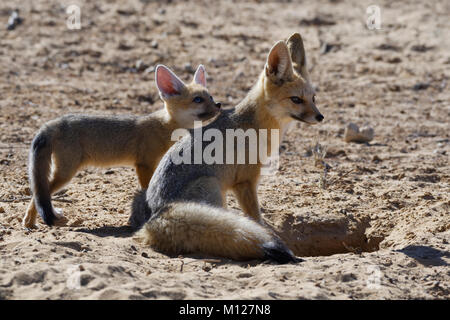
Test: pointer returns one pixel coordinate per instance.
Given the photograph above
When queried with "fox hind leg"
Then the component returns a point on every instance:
(62, 174)
(29, 220)
(144, 173)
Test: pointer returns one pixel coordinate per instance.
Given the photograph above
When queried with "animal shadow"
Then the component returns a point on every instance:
(426, 256)
(110, 231)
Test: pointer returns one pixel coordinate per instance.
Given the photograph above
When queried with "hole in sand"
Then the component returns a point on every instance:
(310, 235)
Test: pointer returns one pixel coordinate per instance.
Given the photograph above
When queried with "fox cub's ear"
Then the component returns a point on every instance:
(279, 64)
(167, 82)
(200, 75)
(298, 56)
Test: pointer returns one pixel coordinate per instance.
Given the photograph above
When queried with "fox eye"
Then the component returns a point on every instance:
(297, 100)
(198, 100)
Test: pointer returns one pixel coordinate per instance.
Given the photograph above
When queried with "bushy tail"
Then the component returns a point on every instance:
(39, 171)
(196, 228)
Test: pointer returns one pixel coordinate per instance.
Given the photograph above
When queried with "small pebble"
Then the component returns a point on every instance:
(353, 133)
(14, 20)
(420, 86)
(150, 69)
(154, 44)
(140, 66)
(188, 67)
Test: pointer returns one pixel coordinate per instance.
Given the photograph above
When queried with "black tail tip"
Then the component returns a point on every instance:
(278, 252)
(46, 212)
(49, 220)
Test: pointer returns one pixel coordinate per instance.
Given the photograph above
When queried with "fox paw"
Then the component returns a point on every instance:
(29, 222)
(29, 226)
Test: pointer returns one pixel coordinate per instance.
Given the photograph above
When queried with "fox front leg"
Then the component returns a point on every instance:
(248, 199)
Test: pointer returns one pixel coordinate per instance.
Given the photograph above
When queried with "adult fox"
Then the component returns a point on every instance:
(184, 203)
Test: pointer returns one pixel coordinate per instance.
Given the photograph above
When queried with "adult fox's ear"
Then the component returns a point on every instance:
(167, 82)
(298, 56)
(200, 75)
(279, 66)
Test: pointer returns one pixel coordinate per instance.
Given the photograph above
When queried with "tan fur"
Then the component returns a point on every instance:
(193, 228)
(194, 221)
(73, 142)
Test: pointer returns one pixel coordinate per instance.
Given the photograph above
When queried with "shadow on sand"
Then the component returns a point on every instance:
(109, 231)
(426, 256)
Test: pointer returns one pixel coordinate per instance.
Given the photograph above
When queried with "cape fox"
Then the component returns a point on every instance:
(72, 142)
(184, 203)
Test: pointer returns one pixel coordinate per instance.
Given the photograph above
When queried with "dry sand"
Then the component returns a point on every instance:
(379, 228)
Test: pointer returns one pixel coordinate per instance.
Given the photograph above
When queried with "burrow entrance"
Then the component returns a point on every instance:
(307, 234)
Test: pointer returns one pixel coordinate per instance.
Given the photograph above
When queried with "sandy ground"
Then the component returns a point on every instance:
(379, 228)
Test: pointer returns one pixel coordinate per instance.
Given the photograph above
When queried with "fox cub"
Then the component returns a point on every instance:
(187, 214)
(72, 142)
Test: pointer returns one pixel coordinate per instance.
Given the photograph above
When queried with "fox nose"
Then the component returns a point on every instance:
(319, 117)
(218, 105)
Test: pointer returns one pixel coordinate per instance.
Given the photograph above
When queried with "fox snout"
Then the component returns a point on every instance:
(319, 117)
(210, 111)
(311, 113)
(311, 116)
(315, 114)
